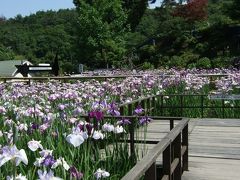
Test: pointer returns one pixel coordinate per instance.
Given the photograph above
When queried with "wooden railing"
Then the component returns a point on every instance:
(203, 104)
(174, 149)
(67, 78)
(149, 103)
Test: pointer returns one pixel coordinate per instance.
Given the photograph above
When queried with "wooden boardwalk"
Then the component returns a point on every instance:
(214, 147)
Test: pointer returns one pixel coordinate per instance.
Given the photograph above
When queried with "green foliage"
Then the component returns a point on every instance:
(40, 36)
(101, 28)
(234, 10)
(6, 53)
(135, 10)
(124, 33)
(147, 65)
(203, 63)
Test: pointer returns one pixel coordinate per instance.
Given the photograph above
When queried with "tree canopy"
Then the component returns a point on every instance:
(196, 33)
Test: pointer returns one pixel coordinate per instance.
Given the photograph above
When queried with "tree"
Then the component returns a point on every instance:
(194, 10)
(234, 10)
(101, 32)
(135, 10)
(6, 53)
(2, 19)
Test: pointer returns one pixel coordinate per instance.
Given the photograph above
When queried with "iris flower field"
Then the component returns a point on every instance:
(72, 130)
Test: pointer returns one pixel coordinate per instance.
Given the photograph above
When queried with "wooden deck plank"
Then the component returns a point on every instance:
(212, 169)
(214, 150)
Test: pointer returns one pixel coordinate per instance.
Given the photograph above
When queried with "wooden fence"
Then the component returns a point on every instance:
(174, 149)
(68, 78)
(205, 103)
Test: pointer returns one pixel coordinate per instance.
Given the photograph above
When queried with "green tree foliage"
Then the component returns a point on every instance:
(186, 37)
(40, 36)
(6, 53)
(234, 10)
(101, 32)
(134, 9)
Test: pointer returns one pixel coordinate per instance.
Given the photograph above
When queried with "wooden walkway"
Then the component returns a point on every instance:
(214, 147)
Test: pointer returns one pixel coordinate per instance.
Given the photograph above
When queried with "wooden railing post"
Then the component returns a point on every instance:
(185, 144)
(202, 97)
(131, 131)
(167, 162)
(177, 174)
(151, 173)
(181, 103)
(143, 106)
(171, 124)
(122, 110)
(154, 105)
(148, 106)
(161, 105)
(223, 109)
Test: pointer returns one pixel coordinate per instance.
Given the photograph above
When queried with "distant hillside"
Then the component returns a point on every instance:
(207, 37)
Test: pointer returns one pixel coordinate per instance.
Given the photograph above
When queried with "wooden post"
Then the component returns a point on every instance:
(202, 97)
(131, 131)
(122, 110)
(171, 124)
(151, 173)
(185, 144)
(167, 162)
(130, 110)
(143, 105)
(153, 105)
(177, 155)
(223, 108)
(161, 105)
(181, 104)
(148, 106)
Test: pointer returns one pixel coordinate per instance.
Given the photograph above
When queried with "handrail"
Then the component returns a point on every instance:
(101, 77)
(149, 159)
(67, 77)
(137, 100)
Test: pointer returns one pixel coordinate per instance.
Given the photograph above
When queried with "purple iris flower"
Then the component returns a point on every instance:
(75, 173)
(99, 115)
(61, 107)
(138, 110)
(91, 114)
(145, 120)
(81, 127)
(34, 126)
(124, 121)
(89, 128)
(48, 161)
(113, 110)
(77, 111)
(96, 114)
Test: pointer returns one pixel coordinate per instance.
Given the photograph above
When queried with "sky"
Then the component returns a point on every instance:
(11, 8)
